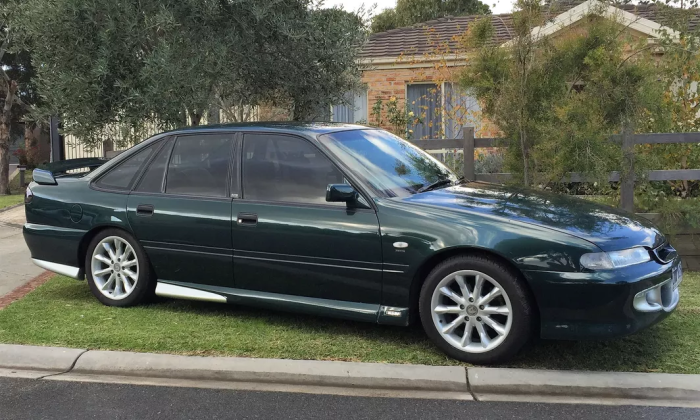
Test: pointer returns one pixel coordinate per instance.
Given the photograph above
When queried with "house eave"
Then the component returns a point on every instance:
(412, 61)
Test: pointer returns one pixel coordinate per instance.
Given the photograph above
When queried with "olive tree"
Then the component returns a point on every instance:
(17, 92)
(170, 62)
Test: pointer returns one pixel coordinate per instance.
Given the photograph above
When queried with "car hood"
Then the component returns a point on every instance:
(605, 226)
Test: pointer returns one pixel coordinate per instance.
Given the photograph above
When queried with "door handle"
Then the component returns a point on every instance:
(145, 210)
(247, 219)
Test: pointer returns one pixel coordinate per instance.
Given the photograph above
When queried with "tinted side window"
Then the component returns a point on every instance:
(289, 169)
(152, 180)
(123, 176)
(199, 165)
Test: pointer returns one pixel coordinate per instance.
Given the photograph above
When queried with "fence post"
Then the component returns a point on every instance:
(468, 133)
(107, 146)
(627, 175)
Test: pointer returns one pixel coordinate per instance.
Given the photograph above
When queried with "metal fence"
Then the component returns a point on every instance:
(468, 143)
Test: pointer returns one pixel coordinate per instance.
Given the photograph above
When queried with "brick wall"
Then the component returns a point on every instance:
(387, 83)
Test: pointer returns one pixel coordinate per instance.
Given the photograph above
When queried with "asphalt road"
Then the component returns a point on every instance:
(35, 399)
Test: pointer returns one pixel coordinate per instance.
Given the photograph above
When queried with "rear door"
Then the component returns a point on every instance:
(180, 210)
(288, 239)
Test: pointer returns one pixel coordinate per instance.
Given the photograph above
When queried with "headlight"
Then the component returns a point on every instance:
(615, 259)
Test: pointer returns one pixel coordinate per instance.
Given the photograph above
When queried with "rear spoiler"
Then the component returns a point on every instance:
(46, 174)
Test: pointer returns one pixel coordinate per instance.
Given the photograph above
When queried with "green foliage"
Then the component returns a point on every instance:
(678, 113)
(377, 112)
(558, 101)
(385, 21)
(410, 12)
(167, 62)
(400, 118)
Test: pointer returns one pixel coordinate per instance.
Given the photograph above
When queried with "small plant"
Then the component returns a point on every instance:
(27, 157)
(489, 163)
(398, 117)
(21, 156)
(377, 112)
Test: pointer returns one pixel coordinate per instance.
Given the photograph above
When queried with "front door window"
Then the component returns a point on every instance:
(286, 169)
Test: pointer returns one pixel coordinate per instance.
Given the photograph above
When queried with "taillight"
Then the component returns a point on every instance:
(28, 196)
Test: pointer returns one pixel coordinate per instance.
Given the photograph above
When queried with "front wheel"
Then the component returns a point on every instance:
(476, 310)
(117, 269)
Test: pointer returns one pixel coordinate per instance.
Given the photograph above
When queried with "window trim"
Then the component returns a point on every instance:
(227, 195)
(148, 164)
(137, 177)
(313, 144)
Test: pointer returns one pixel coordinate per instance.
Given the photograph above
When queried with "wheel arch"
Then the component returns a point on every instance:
(430, 263)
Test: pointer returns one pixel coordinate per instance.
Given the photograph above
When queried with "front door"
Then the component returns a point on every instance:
(288, 239)
(180, 210)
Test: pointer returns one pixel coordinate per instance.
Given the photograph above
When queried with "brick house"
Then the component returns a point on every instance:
(418, 64)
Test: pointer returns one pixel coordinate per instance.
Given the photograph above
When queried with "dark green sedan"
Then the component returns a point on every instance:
(351, 222)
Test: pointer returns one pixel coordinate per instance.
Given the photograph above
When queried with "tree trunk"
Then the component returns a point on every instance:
(5, 120)
(30, 144)
(4, 156)
(524, 150)
(213, 115)
(195, 118)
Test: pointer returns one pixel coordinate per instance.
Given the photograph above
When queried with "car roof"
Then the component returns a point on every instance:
(309, 128)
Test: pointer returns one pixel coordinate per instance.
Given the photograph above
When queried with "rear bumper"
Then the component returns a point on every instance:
(55, 248)
(602, 304)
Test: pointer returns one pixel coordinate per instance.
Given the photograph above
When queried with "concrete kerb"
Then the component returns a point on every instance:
(348, 378)
(36, 362)
(451, 380)
(494, 384)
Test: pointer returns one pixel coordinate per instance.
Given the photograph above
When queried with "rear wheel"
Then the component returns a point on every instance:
(476, 310)
(118, 270)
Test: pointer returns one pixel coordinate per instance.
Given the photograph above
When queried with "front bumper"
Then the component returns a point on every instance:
(604, 304)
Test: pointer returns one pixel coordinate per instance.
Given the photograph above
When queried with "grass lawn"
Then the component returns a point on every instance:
(62, 312)
(10, 200)
(17, 194)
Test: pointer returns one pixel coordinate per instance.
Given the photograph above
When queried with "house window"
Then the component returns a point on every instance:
(461, 109)
(354, 109)
(424, 100)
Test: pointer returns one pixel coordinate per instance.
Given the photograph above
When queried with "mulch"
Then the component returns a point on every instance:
(22, 291)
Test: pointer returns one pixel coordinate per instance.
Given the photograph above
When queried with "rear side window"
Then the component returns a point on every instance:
(123, 176)
(200, 165)
(152, 180)
(286, 169)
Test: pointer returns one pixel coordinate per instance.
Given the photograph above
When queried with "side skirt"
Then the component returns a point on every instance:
(356, 311)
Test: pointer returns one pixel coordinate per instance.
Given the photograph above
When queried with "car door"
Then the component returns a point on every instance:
(180, 211)
(288, 239)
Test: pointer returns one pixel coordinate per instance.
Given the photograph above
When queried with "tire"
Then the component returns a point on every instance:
(123, 289)
(495, 337)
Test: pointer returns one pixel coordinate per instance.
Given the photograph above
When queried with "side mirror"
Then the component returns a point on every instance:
(342, 193)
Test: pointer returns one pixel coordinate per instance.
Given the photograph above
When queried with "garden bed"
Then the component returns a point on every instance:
(62, 312)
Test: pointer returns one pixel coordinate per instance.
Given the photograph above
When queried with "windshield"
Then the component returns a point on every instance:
(387, 162)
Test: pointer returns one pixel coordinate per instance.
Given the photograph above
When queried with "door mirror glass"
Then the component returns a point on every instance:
(341, 193)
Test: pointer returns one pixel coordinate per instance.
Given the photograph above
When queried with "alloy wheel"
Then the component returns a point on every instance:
(115, 268)
(471, 311)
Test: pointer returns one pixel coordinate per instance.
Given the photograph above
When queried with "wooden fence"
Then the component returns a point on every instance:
(468, 143)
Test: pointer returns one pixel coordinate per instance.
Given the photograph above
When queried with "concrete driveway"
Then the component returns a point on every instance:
(16, 267)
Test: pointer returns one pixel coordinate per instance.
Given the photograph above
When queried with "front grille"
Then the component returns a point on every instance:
(665, 253)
